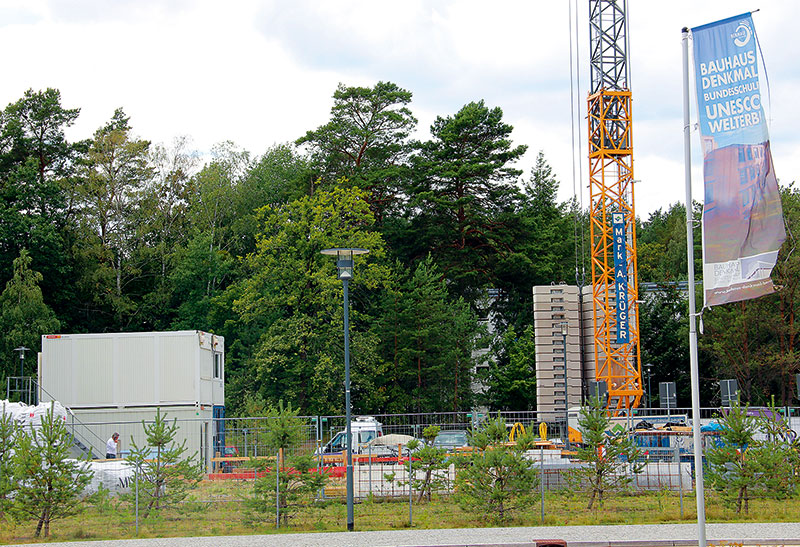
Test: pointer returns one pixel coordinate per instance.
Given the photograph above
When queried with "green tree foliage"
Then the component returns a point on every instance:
(610, 457)
(540, 236)
(37, 189)
(465, 189)
(663, 328)
(114, 249)
(512, 372)
(165, 200)
(24, 317)
(52, 482)
(166, 473)
(293, 299)
(661, 246)
(497, 480)
(737, 337)
(781, 310)
(365, 142)
(284, 428)
(130, 235)
(756, 341)
(428, 338)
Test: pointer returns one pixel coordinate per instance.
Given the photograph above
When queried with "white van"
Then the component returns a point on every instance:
(364, 429)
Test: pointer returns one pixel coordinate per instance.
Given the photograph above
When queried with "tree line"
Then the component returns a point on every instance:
(115, 233)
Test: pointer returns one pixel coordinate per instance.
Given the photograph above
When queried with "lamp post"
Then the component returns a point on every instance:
(564, 332)
(649, 367)
(22, 350)
(344, 271)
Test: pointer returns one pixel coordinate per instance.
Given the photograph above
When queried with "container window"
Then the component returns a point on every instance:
(218, 366)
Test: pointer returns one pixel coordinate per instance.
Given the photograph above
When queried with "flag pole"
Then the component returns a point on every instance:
(694, 369)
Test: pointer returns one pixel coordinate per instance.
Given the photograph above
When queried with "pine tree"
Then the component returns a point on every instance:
(8, 433)
(50, 482)
(165, 474)
(296, 483)
(498, 480)
(607, 454)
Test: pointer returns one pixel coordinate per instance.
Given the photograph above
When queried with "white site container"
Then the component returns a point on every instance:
(111, 382)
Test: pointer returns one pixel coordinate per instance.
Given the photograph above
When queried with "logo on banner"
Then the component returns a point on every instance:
(742, 35)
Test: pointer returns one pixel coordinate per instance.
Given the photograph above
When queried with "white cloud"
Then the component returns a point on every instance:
(261, 72)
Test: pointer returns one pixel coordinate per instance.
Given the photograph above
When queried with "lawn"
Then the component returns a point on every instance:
(216, 509)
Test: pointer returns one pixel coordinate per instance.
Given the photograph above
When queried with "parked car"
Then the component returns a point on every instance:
(451, 439)
(364, 429)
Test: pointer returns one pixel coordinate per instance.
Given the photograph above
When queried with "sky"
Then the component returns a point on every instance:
(261, 73)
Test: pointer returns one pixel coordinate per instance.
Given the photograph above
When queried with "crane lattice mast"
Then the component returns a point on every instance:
(612, 215)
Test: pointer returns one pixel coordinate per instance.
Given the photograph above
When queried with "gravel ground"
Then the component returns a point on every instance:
(742, 534)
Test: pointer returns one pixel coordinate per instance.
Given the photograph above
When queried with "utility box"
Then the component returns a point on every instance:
(111, 382)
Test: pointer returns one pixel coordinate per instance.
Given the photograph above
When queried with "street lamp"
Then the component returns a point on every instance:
(344, 271)
(21, 350)
(649, 367)
(564, 332)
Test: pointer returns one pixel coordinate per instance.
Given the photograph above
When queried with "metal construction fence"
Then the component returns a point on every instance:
(230, 446)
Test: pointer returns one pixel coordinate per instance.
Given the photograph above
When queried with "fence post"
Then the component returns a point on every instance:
(137, 499)
(680, 476)
(277, 491)
(410, 493)
(541, 477)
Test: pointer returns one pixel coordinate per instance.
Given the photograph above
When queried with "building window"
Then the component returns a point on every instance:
(558, 384)
(557, 393)
(558, 359)
(559, 401)
(558, 376)
(558, 350)
(556, 308)
(556, 300)
(556, 291)
(557, 316)
(217, 366)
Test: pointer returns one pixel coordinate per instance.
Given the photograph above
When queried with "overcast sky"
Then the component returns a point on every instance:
(263, 72)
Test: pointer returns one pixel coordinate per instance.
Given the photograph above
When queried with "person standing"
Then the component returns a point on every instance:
(111, 446)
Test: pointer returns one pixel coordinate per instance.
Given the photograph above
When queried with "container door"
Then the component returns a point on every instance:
(218, 413)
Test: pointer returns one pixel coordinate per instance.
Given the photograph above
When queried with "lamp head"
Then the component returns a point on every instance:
(344, 260)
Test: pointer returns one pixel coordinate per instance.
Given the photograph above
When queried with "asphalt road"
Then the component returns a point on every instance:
(662, 535)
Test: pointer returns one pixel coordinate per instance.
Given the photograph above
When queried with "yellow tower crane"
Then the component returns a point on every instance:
(612, 224)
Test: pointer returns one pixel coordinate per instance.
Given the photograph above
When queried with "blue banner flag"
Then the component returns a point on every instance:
(620, 250)
(742, 216)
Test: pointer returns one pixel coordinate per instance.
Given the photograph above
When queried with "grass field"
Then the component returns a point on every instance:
(216, 509)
